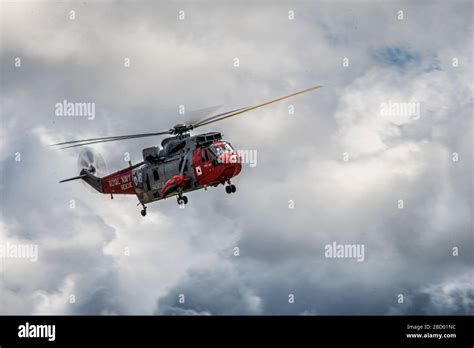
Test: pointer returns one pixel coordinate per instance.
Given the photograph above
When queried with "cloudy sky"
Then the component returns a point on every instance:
(339, 169)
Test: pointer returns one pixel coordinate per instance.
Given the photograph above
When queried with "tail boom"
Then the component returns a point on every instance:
(89, 178)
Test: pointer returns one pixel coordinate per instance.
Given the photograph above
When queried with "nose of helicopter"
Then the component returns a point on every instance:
(231, 164)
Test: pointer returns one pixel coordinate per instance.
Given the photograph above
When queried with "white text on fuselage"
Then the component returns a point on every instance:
(124, 182)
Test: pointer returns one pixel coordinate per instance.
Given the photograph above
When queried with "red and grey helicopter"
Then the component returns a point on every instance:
(183, 163)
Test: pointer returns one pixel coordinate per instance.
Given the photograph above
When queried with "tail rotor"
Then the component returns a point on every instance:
(91, 162)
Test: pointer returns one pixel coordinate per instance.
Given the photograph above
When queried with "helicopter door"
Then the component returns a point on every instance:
(154, 178)
(206, 167)
(161, 174)
(146, 178)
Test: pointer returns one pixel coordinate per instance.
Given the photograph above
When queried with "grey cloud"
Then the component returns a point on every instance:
(454, 295)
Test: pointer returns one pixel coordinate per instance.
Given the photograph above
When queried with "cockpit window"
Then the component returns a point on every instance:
(221, 148)
(216, 150)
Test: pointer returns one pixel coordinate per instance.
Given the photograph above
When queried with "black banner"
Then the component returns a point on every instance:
(136, 330)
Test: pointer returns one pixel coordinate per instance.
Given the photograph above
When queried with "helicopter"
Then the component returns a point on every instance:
(183, 163)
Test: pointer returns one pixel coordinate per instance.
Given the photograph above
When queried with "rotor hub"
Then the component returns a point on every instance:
(91, 169)
(180, 128)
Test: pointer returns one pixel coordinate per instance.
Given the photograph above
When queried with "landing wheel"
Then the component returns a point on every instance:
(143, 212)
(228, 189)
(182, 200)
(233, 188)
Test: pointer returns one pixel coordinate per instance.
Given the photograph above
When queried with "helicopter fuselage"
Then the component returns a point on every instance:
(184, 163)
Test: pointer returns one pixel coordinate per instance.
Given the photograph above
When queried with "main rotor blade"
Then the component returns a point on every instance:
(115, 139)
(206, 121)
(203, 112)
(194, 116)
(216, 118)
(90, 141)
(106, 139)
